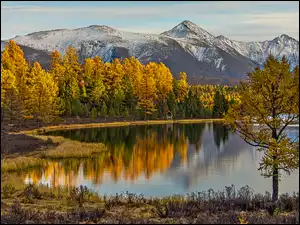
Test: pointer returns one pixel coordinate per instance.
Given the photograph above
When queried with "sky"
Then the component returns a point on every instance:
(243, 21)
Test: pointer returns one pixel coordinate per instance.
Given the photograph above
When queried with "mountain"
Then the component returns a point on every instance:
(259, 51)
(32, 55)
(186, 47)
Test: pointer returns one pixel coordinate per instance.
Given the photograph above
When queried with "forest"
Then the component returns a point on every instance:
(94, 89)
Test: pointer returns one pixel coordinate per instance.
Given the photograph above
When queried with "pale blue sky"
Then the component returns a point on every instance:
(245, 21)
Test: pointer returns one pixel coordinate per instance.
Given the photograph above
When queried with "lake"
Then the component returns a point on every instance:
(162, 160)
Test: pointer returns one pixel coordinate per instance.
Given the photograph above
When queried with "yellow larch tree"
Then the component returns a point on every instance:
(93, 76)
(9, 92)
(113, 75)
(99, 68)
(147, 91)
(13, 60)
(89, 71)
(57, 69)
(164, 80)
(269, 98)
(43, 95)
(182, 87)
(70, 90)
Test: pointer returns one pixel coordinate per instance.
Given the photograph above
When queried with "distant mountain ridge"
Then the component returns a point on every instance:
(186, 47)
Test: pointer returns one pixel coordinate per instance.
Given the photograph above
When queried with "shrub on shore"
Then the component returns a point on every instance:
(230, 206)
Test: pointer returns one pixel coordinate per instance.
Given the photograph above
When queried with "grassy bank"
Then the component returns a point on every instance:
(80, 205)
(20, 163)
(54, 148)
(117, 124)
(73, 149)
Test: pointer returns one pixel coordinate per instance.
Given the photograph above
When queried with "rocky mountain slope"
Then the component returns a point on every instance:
(186, 47)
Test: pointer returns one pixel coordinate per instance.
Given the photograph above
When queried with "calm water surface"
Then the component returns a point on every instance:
(160, 160)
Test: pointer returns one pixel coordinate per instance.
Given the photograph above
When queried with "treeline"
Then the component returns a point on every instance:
(97, 89)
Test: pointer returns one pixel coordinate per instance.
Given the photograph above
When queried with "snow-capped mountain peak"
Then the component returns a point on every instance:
(186, 47)
(187, 29)
(285, 36)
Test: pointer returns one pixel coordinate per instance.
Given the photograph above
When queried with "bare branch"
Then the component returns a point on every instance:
(262, 115)
(282, 129)
(255, 145)
(251, 136)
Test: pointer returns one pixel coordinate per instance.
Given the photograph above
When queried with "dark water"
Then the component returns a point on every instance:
(160, 160)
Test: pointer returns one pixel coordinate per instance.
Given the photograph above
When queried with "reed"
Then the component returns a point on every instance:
(20, 163)
(73, 149)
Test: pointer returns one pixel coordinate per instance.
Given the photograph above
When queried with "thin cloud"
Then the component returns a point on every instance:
(231, 19)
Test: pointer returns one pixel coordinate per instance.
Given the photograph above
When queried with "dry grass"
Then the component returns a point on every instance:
(57, 148)
(74, 149)
(80, 205)
(20, 163)
(118, 124)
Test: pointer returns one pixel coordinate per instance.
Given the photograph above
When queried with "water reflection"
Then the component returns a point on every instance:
(161, 160)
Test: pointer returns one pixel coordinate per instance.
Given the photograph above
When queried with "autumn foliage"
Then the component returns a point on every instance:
(269, 99)
(123, 87)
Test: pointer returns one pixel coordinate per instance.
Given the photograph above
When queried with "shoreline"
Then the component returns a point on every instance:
(24, 146)
(115, 124)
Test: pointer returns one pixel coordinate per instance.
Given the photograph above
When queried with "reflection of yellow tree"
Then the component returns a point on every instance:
(149, 155)
(56, 173)
(181, 147)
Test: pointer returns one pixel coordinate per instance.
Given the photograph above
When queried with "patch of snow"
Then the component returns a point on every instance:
(100, 40)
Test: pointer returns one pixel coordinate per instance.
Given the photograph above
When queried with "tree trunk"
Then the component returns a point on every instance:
(2, 115)
(275, 185)
(275, 177)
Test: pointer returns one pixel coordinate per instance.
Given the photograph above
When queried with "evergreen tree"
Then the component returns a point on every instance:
(94, 113)
(103, 111)
(76, 108)
(220, 107)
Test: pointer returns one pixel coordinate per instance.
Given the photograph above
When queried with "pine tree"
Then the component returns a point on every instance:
(220, 107)
(77, 108)
(111, 112)
(94, 113)
(85, 110)
(126, 112)
(103, 111)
